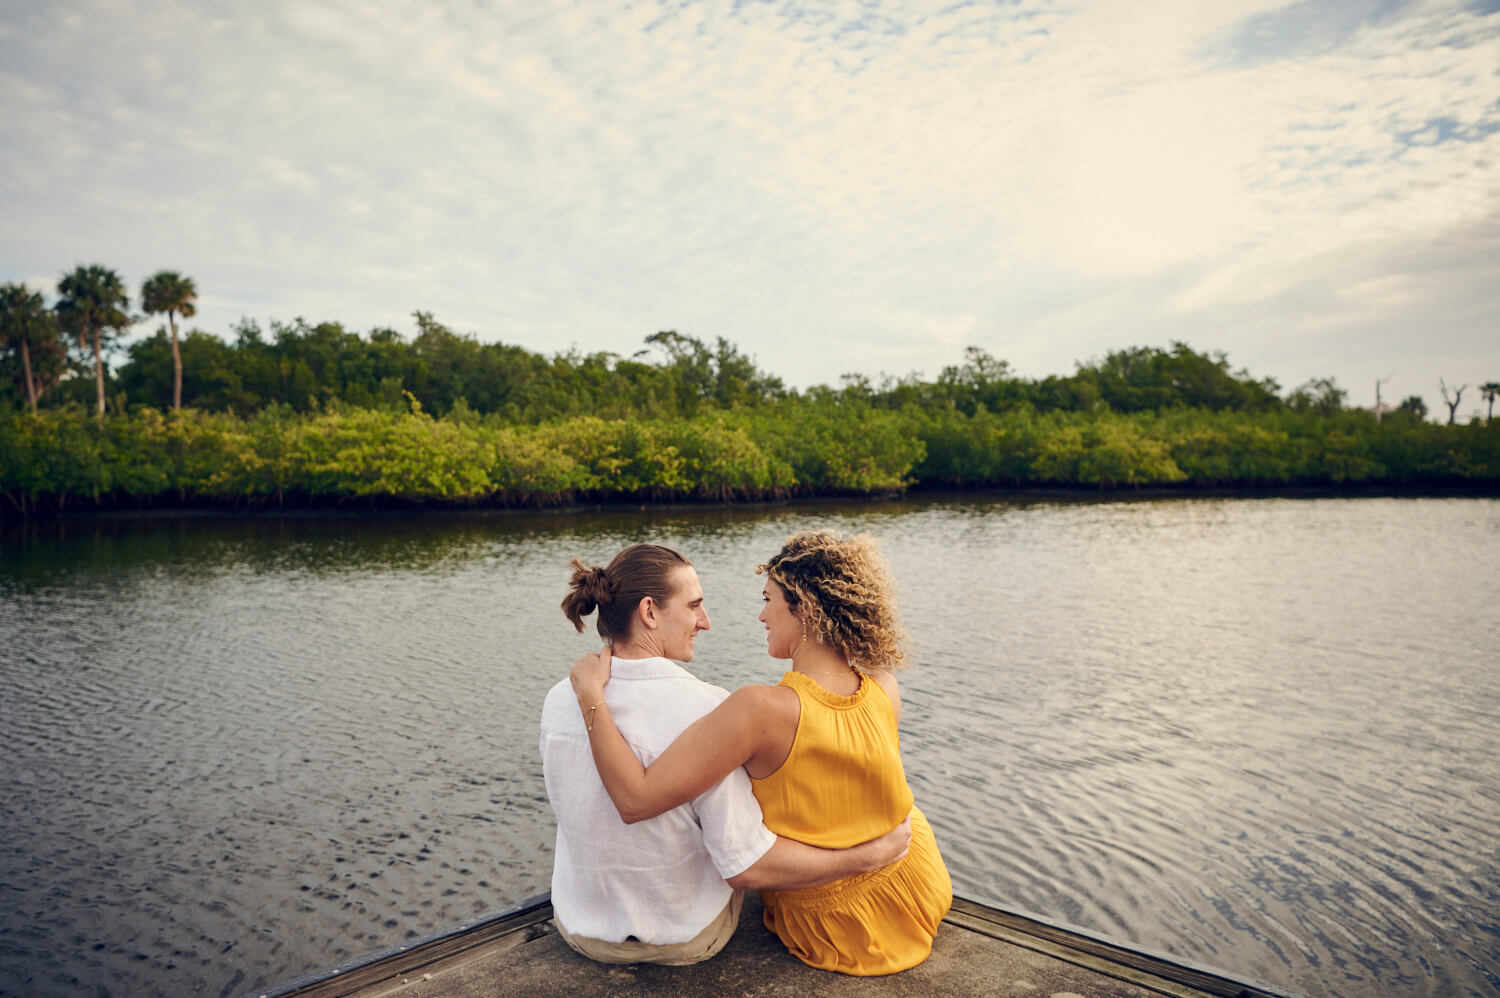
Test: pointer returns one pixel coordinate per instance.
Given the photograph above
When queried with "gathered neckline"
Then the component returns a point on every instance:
(809, 685)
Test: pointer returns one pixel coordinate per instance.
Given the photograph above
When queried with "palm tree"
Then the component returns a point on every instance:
(92, 306)
(170, 292)
(1490, 390)
(27, 325)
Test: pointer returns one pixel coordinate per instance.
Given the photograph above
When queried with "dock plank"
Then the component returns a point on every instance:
(980, 950)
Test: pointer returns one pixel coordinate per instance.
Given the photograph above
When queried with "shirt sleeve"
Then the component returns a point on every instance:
(734, 832)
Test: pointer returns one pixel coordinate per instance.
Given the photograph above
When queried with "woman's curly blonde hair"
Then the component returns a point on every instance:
(842, 590)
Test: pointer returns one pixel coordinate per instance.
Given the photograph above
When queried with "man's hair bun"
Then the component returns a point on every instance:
(589, 588)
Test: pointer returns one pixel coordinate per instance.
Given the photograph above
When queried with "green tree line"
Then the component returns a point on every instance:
(317, 414)
(836, 444)
(72, 353)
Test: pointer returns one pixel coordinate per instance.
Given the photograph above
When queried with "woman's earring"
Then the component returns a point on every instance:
(804, 630)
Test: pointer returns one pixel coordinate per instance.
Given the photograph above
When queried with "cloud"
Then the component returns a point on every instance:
(834, 187)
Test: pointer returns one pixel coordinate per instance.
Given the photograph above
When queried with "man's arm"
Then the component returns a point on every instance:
(790, 865)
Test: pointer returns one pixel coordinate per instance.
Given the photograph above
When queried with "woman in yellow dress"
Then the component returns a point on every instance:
(822, 751)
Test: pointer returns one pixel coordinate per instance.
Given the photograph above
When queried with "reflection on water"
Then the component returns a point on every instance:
(1257, 734)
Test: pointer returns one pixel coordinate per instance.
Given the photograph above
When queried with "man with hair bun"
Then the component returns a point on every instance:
(669, 889)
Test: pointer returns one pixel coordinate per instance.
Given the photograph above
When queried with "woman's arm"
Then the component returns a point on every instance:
(704, 754)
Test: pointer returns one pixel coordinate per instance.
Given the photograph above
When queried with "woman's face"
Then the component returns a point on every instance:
(783, 627)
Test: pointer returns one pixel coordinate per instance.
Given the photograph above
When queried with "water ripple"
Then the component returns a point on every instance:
(240, 750)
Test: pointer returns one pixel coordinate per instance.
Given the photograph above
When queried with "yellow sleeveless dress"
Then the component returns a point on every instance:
(842, 784)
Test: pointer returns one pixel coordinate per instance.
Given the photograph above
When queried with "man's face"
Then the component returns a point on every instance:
(680, 619)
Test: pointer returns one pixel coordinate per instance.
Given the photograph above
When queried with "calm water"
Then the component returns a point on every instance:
(1259, 734)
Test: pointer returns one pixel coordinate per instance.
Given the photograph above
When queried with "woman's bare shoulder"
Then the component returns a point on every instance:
(775, 712)
(765, 699)
(887, 681)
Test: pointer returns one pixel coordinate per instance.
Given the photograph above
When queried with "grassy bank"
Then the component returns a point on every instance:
(67, 458)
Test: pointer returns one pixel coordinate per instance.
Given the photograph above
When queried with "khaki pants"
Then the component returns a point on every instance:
(697, 949)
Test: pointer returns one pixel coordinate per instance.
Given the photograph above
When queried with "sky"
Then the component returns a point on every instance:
(1311, 187)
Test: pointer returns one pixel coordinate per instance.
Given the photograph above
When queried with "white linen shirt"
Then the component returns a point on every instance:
(661, 880)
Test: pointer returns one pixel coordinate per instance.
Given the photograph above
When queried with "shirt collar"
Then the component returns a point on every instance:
(646, 668)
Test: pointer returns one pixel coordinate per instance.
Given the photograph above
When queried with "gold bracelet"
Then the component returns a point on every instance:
(589, 719)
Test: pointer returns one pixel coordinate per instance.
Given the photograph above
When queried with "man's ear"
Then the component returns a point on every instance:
(646, 610)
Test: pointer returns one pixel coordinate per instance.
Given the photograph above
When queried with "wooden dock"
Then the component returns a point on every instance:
(980, 950)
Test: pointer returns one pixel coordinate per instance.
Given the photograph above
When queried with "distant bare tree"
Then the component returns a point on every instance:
(1378, 407)
(1452, 405)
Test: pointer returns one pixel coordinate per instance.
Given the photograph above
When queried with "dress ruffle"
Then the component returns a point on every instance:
(871, 924)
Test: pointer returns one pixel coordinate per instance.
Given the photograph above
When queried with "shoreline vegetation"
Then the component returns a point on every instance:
(66, 459)
(316, 416)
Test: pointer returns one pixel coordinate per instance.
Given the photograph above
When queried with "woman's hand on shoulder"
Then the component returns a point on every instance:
(589, 676)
